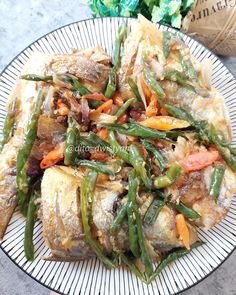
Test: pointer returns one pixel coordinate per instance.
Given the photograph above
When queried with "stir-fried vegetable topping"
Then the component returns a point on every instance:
(24, 153)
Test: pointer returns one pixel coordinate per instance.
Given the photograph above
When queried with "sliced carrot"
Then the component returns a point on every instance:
(101, 178)
(62, 108)
(147, 92)
(117, 98)
(182, 229)
(103, 133)
(104, 107)
(52, 157)
(95, 96)
(123, 119)
(152, 107)
(108, 110)
(199, 160)
(163, 112)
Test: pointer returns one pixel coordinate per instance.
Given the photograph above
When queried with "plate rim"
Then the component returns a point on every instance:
(117, 17)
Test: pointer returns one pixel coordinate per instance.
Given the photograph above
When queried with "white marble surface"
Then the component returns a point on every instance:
(21, 22)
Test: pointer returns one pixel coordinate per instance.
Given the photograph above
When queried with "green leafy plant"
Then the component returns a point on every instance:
(170, 12)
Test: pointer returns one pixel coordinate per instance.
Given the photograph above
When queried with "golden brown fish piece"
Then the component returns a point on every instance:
(26, 93)
(60, 213)
(91, 69)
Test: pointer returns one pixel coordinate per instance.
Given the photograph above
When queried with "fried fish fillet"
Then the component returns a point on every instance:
(62, 227)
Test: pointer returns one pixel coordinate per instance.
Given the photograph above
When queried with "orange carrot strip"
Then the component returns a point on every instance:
(199, 160)
(163, 112)
(105, 106)
(182, 229)
(152, 107)
(103, 133)
(95, 96)
(117, 98)
(52, 157)
(147, 92)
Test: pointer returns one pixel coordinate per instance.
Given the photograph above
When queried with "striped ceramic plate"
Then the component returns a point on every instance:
(89, 276)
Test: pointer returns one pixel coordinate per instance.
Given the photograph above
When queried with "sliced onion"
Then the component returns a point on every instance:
(122, 139)
(84, 111)
(102, 118)
(158, 69)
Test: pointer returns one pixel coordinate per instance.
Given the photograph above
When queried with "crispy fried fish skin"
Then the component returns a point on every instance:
(26, 93)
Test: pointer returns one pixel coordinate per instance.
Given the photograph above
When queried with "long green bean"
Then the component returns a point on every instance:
(158, 156)
(187, 66)
(153, 211)
(72, 140)
(93, 140)
(186, 211)
(36, 78)
(179, 78)
(146, 260)
(216, 180)
(96, 166)
(131, 208)
(166, 44)
(117, 149)
(86, 192)
(111, 85)
(124, 107)
(137, 130)
(152, 82)
(30, 221)
(117, 222)
(171, 258)
(171, 175)
(139, 165)
(23, 154)
(133, 268)
(134, 88)
(8, 127)
(122, 31)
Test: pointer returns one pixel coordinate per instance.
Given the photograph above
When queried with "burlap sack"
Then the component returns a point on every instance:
(214, 24)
